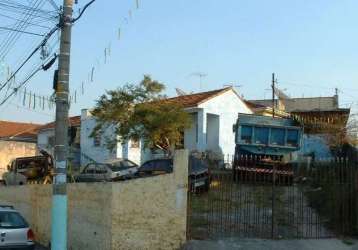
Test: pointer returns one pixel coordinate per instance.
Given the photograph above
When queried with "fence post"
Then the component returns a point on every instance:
(273, 201)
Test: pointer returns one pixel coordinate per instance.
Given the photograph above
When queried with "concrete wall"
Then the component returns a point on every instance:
(12, 149)
(146, 213)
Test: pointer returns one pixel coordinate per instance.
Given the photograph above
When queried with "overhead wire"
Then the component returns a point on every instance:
(23, 24)
(21, 31)
(48, 35)
(42, 67)
(30, 23)
(5, 47)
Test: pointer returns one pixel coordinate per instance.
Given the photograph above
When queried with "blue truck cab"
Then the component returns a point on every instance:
(266, 136)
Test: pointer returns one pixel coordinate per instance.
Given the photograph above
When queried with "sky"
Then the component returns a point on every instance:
(311, 46)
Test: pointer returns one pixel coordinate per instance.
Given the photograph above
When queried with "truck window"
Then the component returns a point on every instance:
(292, 137)
(261, 135)
(246, 134)
(277, 136)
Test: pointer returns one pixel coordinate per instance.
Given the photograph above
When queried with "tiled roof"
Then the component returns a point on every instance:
(11, 130)
(74, 121)
(193, 100)
(253, 105)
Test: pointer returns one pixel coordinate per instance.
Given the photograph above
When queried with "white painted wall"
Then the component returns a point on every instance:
(102, 153)
(227, 106)
(98, 153)
(190, 134)
(43, 139)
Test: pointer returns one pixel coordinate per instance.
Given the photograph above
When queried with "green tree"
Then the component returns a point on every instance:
(141, 111)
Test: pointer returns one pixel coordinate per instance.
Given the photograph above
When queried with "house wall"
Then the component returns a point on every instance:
(316, 144)
(43, 139)
(88, 149)
(190, 137)
(227, 106)
(145, 213)
(12, 149)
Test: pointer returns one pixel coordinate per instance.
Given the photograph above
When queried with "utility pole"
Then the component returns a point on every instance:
(273, 95)
(59, 198)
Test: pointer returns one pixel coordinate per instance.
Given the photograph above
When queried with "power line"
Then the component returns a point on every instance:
(83, 10)
(52, 2)
(22, 24)
(42, 67)
(21, 85)
(11, 39)
(43, 42)
(30, 23)
(24, 32)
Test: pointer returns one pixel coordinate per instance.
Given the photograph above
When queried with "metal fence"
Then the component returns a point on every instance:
(268, 199)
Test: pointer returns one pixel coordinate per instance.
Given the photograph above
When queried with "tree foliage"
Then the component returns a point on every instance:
(141, 111)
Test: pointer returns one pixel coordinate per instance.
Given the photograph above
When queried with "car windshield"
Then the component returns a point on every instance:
(121, 165)
(12, 220)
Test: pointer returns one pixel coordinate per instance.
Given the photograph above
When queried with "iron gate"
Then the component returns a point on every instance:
(318, 200)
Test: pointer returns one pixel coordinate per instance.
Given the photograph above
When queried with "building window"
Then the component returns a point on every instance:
(134, 143)
(97, 140)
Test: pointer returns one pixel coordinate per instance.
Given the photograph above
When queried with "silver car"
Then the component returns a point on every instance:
(15, 232)
(118, 169)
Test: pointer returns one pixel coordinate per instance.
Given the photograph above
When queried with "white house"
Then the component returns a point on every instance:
(46, 138)
(95, 148)
(213, 114)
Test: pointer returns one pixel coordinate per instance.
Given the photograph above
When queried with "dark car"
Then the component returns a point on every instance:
(199, 178)
(156, 167)
(118, 169)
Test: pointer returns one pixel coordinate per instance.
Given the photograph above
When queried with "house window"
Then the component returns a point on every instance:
(134, 143)
(97, 140)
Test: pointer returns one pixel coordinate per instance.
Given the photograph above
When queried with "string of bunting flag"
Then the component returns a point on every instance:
(31, 99)
(103, 59)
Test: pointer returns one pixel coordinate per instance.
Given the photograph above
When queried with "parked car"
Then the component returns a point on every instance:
(114, 170)
(199, 177)
(156, 167)
(15, 232)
